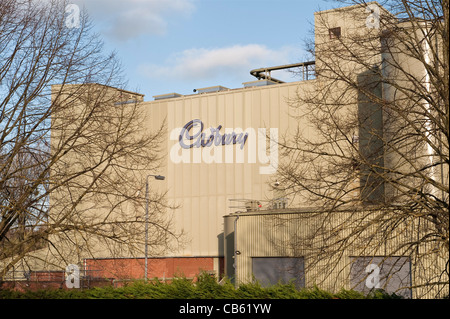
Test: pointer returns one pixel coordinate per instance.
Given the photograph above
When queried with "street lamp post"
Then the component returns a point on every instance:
(160, 178)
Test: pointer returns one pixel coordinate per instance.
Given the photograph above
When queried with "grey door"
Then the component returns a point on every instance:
(392, 274)
(272, 270)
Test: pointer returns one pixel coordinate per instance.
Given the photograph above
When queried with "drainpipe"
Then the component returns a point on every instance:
(235, 252)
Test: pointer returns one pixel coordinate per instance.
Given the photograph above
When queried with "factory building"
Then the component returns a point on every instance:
(221, 157)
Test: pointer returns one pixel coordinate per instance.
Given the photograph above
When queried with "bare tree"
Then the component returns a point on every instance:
(73, 156)
(380, 153)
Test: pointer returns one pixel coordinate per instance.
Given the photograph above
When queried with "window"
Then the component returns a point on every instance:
(335, 33)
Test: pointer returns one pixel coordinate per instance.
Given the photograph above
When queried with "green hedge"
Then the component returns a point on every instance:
(206, 287)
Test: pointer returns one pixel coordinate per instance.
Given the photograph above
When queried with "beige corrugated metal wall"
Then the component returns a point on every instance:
(203, 190)
(313, 235)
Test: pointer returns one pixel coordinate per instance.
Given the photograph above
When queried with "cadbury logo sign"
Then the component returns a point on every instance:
(189, 138)
(225, 145)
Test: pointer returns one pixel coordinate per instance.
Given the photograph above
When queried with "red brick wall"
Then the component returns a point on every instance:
(47, 276)
(102, 272)
(25, 285)
(167, 267)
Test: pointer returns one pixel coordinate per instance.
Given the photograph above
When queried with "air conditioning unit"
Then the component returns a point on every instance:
(280, 203)
(252, 205)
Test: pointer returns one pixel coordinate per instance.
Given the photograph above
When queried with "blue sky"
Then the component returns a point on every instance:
(170, 46)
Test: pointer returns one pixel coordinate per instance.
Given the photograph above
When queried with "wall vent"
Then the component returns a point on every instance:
(334, 33)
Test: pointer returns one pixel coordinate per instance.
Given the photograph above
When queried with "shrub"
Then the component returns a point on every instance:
(205, 287)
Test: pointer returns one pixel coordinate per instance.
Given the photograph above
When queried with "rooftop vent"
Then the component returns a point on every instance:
(258, 83)
(211, 89)
(167, 96)
(131, 101)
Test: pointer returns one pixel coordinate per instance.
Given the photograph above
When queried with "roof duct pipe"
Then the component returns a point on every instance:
(264, 73)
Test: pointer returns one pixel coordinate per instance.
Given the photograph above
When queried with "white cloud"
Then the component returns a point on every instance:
(207, 64)
(124, 20)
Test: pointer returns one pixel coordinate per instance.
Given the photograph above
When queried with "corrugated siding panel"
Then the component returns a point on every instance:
(203, 190)
(287, 235)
